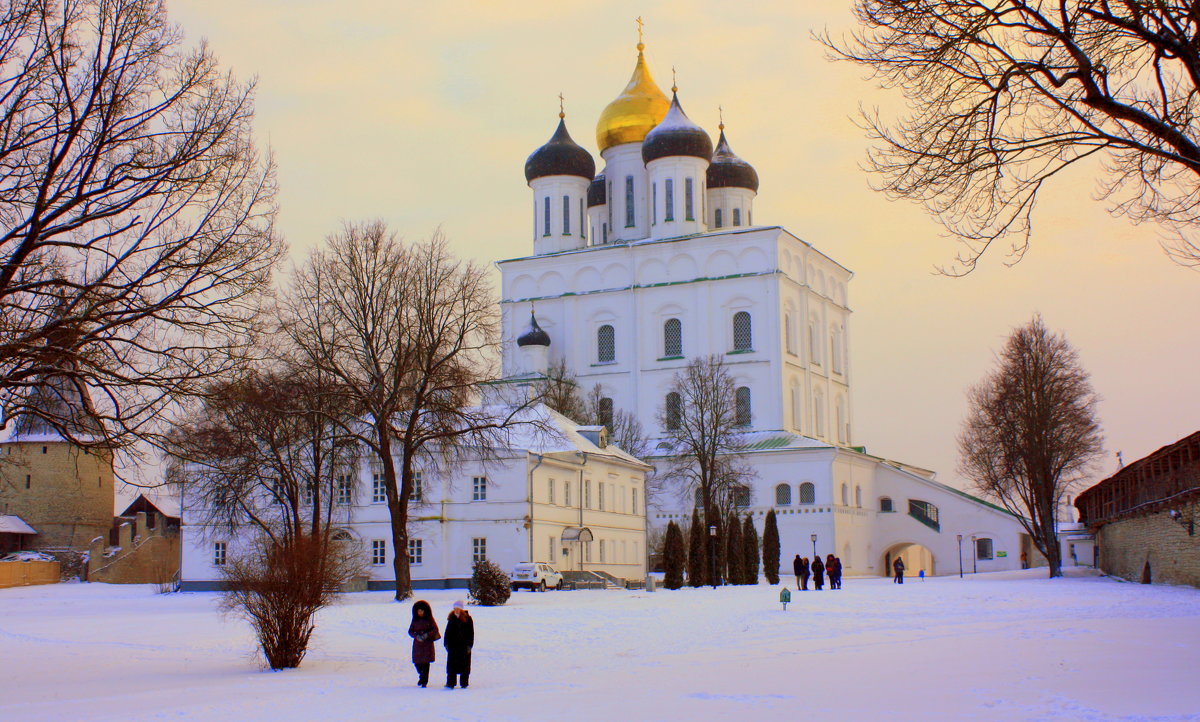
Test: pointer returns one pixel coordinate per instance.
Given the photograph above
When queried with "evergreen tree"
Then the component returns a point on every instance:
(673, 557)
(770, 548)
(750, 550)
(697, 563)
(490, 585)
(733, 552)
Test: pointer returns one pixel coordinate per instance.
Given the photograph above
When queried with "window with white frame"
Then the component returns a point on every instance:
(550, 491)
(546, 218)
(416, 551)
(600, 494)
(669, 205)
(743, 339)
(310, 493)
(478, 549)
(418, 488)
(606, 344)
(629, 219)
(587, 494)
(672, 338)
(567, 492)
(378, 552)
(633, 501)
(742, 409)
(689, 204)
(983, 548)
(478, 488)
(345, 487)
(566, 215)
(601, 551)
(550, 550)
(219, 554)
(378, 488)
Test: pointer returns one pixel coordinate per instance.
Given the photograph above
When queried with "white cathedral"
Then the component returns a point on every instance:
(658, 259)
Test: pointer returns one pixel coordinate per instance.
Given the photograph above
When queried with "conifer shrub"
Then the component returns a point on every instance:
(770, 548)
(674, 557)
(750, 550)
(736, 573)
(490, 585)
(697, 563)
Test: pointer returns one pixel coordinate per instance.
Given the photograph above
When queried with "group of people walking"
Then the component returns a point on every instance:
(458, 641)
(818, 570)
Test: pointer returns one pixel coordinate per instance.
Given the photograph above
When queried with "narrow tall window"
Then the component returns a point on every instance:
(606, 344)
(378, 489)
(566, 215)
(479, 488)
(344, 487)
(418, 488)
(743, 337)
(29, 482)
(789, 333)
(601, 551)
(673, 411)
(587, 494)
(689, 206)
(717, 217)
(742, 406)
(633, 501)
(550, 491)
(629, 201)
(814, 343)
(378, 552)
(654, 204)
(219, 557)
(550, 550)
(416, 552)
(845, 495)
(478, 549)
(606, 412)
(858, 496)
(737, 216)
(669, 208)
(583, 224)
(885, 504)
(808, 493)
(604, 233)
(546, 217)
(672, 338)
(600, 494)
(567, 493)
(609, 203)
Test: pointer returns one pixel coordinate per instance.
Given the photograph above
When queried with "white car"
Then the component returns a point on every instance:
(536, 575)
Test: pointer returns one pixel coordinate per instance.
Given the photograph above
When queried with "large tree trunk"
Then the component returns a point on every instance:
(398, 512)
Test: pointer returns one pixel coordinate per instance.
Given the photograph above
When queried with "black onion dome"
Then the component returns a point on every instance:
(534, 335)
(560, 156)
(597, 195)
(676, 135)
(729, 171)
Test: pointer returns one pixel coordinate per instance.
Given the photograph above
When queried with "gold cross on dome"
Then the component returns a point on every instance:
(640, 24)
(561, 112)
(721, 115)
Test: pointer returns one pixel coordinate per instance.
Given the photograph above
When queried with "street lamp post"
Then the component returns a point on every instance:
(960, 556)
(974, 556)
(814, 541)
(712, 554)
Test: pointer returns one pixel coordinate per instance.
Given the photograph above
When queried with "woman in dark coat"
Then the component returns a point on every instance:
(459, 639)
(424, 631)
(800, 568)
(818, 573)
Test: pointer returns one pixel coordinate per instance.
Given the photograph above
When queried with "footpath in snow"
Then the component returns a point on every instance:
(1005, 646)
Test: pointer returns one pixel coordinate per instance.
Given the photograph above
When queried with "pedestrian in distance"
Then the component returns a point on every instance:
(800, 568)
(424, 631)
(831, 570)
(458, 641)
(898, 567)
(818, 573)
(835, 577)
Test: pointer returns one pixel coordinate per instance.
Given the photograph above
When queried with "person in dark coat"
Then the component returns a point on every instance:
(459, 639)
(424, 631)
(800, 568)
(818, 573)
(833, 567)
(898, 567)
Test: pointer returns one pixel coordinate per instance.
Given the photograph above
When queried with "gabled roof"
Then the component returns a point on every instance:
(13, 524)
(542, 430)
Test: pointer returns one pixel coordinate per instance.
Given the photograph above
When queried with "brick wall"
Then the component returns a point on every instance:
(1174, 555)
(62, 491)
(143, 555)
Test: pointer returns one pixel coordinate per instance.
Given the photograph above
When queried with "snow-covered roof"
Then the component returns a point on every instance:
(13, 524)
(542, 430)
(753, 441)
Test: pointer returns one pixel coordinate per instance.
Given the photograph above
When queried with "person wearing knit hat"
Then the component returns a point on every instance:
(458, 641)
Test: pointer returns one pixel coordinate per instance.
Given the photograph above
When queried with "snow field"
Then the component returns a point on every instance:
(1004, 646)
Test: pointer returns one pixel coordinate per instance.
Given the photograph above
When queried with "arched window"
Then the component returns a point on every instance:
(717, 218)
(814, 342)
(689, 206)
(606, 412)
(741, 409)
(797, 408)
(741, 496)
(983, 549)
(808, 493)
(858, 496)
(546, 217)
(669, 192)
(737, 216)
(672, 338)
(629, 201)
(566, 215)
(606, 344)
(743, 337)
(835, 342)
(783, 495)
(818, 413)
(885, 504)
(845, 495)
(672, 411)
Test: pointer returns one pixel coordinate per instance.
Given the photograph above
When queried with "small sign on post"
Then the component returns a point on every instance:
(785, 596)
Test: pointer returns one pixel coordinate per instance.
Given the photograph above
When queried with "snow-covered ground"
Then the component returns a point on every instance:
(1005, 646)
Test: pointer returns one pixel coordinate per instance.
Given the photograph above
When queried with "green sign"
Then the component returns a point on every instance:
(1001, 554)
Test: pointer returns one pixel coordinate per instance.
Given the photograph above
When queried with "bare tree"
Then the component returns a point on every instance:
(1031, 432)
(136, 216)
(1006, 95)
(701, 424)
(409, 333)
(560, 391)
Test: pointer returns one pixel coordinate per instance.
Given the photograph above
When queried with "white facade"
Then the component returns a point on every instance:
(629, 313)
(510, 510)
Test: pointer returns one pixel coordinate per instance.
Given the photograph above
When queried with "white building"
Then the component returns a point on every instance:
(559, 494)
(658, 260)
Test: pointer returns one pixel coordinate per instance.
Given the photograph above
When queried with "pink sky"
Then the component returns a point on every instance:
(423, 113)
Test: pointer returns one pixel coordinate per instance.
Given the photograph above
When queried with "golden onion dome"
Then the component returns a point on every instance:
(635, 112)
